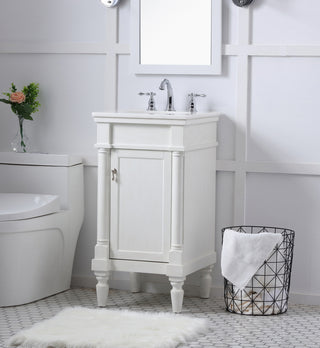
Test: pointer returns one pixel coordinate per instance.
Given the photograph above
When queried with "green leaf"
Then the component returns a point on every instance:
(24, 110)
(13, 88)
(31, 92)
(5, 101)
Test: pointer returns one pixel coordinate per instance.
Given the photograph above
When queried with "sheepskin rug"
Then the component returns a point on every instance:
(78, 327)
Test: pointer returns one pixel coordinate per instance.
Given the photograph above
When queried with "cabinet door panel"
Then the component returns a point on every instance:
(140, 205)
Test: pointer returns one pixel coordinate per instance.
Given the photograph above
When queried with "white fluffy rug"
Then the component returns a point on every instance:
(78, 327)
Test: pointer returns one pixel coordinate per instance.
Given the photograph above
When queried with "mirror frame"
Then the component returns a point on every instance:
(216, 32)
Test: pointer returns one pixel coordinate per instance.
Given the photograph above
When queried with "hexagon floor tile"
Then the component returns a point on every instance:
(299, 327)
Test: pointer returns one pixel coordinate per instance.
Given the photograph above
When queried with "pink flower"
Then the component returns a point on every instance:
(17, 97)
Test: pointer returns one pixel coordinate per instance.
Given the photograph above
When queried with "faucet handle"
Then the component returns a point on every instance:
(151, 101)
(192, 106)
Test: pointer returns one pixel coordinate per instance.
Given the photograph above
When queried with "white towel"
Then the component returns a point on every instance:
(244, 253)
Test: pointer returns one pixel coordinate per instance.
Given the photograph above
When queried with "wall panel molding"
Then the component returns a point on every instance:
(53, 48)
(269, 167)
(241, 127)
(248, 167)
(114, 47)
(123, 48)
(272, 50)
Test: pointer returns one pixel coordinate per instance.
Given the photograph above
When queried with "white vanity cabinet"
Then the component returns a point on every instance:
(156, 198)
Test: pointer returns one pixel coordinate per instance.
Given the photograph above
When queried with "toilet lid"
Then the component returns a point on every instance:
(19, 206)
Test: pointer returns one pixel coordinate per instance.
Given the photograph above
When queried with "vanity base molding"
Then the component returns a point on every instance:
(156, 199)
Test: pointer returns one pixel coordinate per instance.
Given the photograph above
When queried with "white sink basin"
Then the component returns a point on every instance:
(164, 115)
(173, 113)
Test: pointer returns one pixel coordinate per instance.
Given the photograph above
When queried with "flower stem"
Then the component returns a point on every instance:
(23, 145)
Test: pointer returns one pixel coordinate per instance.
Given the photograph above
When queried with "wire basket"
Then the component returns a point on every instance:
(267, 292)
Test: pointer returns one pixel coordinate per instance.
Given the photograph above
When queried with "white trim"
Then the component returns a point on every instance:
(283, 168)
(272, 50)
(306, 299)
(98, 48)
(241, 120)
(104, 48)
(227, 165)
(101, 48)
(111, 72)
(269, 167)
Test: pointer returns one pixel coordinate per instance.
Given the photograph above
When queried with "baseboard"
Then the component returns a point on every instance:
(88, 282)
(304, 299)
(191, 290)
(157, 286)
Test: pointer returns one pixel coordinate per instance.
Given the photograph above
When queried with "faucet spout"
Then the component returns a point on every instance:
(163, 84)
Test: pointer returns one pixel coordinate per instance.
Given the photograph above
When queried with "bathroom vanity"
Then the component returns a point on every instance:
(156, 198)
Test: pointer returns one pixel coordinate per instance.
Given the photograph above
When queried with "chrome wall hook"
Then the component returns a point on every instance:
(242, 3)
(110, 3)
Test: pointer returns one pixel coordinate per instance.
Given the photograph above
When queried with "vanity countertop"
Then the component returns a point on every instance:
(156, 117)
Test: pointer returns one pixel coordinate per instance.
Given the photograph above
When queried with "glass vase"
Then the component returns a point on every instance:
(20, 142)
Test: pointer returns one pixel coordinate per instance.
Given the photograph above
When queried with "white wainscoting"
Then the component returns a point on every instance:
(268, 160)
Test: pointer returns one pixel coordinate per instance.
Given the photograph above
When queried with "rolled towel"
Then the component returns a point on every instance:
(244, 253)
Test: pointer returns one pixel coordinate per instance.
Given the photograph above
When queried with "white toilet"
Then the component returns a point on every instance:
(41, 213)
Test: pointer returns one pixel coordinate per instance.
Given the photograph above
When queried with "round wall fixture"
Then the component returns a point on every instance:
(242, 3)
(110, 3)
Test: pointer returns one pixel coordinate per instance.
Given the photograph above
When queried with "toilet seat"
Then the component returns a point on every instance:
(20, 206)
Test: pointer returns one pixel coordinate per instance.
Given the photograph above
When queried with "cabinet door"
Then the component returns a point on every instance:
(140, 205)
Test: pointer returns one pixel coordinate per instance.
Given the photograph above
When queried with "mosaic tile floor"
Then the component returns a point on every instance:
(299, 327)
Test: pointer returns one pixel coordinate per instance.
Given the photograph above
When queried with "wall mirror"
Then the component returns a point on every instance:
(176, 36)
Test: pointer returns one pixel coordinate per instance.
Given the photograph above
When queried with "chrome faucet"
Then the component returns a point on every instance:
(163, 84)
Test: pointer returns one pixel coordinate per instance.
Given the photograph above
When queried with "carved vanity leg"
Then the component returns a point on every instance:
(177, 293)
(135, 282)
(101, 262)
(102, 288)
(176, 249)
(206, 281)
